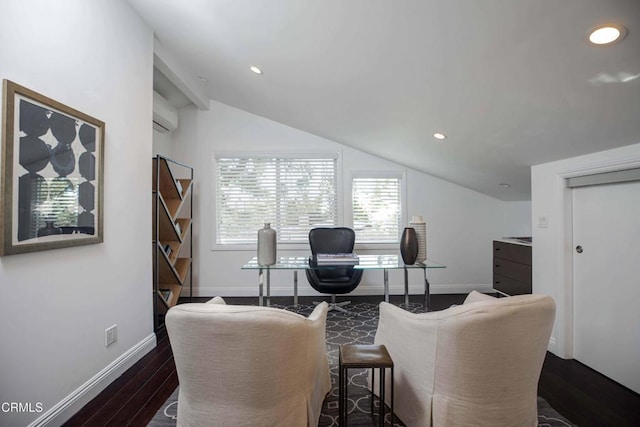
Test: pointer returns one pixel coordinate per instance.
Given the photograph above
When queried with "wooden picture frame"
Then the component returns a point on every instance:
(51, 188)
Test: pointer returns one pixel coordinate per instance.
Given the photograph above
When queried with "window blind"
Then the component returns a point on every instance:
(55, 203)
(293, 194)
(376, 209)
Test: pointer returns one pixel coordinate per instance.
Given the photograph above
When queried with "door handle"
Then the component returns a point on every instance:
(579, 249)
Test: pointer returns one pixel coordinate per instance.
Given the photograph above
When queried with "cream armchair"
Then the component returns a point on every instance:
(474, 364)
(248, 366)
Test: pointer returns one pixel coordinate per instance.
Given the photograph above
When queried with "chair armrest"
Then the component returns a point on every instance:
(320, 311)
(475, 296)
(318, 376)
(411, 341)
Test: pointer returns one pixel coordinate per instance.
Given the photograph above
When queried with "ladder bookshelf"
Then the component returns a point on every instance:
(172, 244)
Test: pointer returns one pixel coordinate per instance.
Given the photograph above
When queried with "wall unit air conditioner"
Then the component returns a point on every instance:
(165, 116)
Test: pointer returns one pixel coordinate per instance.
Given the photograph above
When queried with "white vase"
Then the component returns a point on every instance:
(266, 245)
(418, 224)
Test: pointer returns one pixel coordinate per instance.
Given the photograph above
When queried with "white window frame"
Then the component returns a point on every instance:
(284, 246)
(402, 176)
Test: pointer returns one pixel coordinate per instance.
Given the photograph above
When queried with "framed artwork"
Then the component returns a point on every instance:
(51, 189)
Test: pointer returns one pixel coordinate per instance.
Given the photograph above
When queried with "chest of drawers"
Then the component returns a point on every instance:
(511, 268)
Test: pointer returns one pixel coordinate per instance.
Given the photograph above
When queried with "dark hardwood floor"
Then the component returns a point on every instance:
(585, 396)
(582, 395)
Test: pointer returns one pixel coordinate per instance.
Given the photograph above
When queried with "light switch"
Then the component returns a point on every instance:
(543, 222)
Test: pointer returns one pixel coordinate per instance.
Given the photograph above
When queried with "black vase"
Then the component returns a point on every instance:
(409, 246)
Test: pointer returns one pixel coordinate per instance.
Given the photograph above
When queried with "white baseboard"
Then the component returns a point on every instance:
(305, 290)
(71, 404)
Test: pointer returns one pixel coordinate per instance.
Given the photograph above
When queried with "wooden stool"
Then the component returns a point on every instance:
(364, 356)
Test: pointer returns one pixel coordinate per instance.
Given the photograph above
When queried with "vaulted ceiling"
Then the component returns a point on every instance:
(510, 83)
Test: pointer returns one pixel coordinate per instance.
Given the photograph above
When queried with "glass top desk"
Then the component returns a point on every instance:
(367, 262)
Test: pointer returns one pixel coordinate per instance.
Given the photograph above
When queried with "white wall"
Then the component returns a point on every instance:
(162, 143)
(460, 223)
(517, 218)
(553, 246)
(95, 56)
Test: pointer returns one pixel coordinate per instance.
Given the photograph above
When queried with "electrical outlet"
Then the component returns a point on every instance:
(110, 335)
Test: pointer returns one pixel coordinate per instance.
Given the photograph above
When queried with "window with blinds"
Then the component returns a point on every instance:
(55, 204)
(294, 195)
(376, 208)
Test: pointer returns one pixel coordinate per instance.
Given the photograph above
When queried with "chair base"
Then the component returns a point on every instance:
(337, 306)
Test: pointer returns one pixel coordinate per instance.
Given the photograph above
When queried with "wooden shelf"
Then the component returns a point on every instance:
(169, 192)
(167, 274)
(170, 195)
(185, 227)
(182, 267)
(175, 250)
(173, 298)
(166, 227)
(167, 182)
(173, 206)
(186, 187)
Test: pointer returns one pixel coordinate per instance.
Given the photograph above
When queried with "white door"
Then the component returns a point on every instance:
(606, 280)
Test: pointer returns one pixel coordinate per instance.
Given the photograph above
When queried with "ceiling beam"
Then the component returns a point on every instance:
(184, 80)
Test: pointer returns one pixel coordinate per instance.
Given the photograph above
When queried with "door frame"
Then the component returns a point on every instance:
(566, 264)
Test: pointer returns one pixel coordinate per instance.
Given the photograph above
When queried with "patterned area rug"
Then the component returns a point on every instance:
(344, 329)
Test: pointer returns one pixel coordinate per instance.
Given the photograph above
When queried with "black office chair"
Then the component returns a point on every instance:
(333, 280)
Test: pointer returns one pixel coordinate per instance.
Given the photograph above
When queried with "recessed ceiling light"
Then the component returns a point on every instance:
(607, 34)
(439, 136)
(256, 69)
(505, 185)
